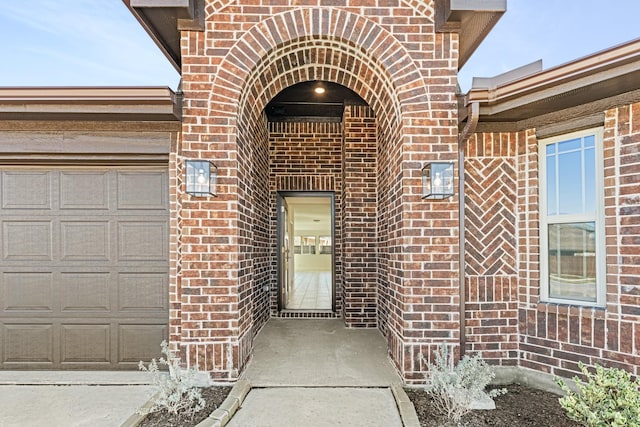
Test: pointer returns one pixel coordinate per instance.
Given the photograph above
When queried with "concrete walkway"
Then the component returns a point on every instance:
(70, 399)
(303, 372)
(318, 373)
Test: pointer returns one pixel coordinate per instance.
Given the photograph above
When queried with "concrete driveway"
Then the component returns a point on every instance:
(70, 399)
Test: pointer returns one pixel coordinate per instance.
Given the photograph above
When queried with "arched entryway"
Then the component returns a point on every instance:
(377, 150)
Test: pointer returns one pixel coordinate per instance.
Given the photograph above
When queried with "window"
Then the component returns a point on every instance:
(308, 244)
(325, 245)
(572, 257)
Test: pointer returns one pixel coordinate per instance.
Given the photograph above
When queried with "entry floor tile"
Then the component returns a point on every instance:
(311, 291)
(318, 407)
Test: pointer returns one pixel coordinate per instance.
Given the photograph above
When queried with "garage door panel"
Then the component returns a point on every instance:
(85, 343)
(87, 292)
(142, 292)
(142, 190)
(28, 343)
(26, 190)
(142, 241)
(85, 241)
(84, 264)
(84, 190)
(27, 291)
(140, 342)
(27, 240)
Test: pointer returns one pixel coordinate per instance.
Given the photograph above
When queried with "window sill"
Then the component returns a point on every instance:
(590, 311)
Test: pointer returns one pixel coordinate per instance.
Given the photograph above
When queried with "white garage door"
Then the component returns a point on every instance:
(84, 266)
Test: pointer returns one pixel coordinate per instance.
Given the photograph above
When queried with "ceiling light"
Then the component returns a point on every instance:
(319, 90)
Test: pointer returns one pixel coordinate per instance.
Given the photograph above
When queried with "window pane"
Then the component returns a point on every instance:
(590, 180)
(572, 261)
(552, 195)
(570, 183)
(325, 245)
(570, 145)
(590, 141)
(308, 244)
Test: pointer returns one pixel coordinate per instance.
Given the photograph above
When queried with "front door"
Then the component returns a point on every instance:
(306, 251)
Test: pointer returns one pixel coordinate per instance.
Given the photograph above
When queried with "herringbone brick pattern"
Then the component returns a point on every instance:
(490, 196)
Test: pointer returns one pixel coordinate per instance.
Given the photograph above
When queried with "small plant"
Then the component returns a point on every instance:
(454, 388)
(176, 392)
(609, 398)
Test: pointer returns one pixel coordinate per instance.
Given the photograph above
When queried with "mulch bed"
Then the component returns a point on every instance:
(520, 407)
(213, 396)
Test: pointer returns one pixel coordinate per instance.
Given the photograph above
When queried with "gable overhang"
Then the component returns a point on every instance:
(530, 97)
(471, 19)
(148, 104)
(164, 19)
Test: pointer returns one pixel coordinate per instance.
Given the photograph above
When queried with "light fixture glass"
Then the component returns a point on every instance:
(437, 180)
(319, 90)
(201, 178)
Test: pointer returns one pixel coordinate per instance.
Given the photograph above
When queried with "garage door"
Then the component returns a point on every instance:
(84, 272)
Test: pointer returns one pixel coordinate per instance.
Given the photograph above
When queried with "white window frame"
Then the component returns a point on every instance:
(598, 218)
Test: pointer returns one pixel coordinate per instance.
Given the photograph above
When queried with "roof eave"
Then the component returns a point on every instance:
(600, 75)
(164, 19)
(471, 19)
(94, 103)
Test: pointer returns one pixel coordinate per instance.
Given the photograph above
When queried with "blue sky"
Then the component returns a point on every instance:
(99, 43)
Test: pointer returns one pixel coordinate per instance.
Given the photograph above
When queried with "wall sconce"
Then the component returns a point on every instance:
(201, 178)
(437, 180)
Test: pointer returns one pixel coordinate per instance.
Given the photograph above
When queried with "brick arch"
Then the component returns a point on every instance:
(305, 60)
(365, 41)
(214, 6)
(424, 8)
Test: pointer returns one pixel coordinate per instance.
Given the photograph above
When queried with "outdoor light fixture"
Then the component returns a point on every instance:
(319, 90)
(437, 180)
(201, 177)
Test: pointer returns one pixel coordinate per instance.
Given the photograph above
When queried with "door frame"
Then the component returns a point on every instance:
(280, 197)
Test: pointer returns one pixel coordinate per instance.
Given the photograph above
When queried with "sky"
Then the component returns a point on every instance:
(99, 42)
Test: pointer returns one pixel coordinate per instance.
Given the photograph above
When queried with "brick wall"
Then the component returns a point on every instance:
(249, 52)
(491, 247)
(553, 338)
(306, 156)
(360, 253)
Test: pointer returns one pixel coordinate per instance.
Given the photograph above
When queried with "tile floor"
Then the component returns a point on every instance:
(311, 291)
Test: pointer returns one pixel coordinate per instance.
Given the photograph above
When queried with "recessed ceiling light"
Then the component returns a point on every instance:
(319, 90)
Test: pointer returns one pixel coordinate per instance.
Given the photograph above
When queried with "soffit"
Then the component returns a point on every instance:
(603, 75)
(471, 19)
(89, 103)
(300, 102)
(163, 20)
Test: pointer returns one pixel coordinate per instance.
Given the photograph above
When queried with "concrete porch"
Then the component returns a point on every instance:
(318, 372)
(319, 353)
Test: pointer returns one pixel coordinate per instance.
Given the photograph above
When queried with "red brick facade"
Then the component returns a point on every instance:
(506, 321)
(392, 57)
(396, 255)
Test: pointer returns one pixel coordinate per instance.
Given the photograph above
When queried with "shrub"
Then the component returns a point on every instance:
(454, 389)
(176, 391)
(609, 398)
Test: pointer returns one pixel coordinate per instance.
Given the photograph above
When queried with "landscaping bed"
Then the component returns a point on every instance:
(213, 396)
(521, 406)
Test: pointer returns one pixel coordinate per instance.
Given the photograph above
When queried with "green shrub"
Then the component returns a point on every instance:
(176, 392)
(454, 388)
(609, 398)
